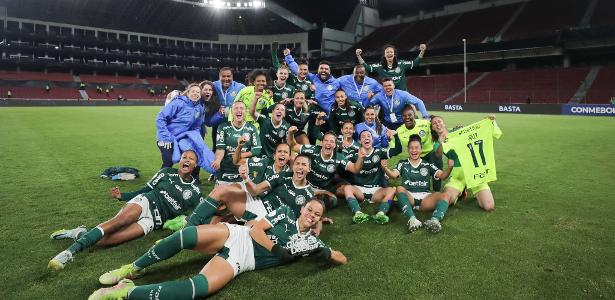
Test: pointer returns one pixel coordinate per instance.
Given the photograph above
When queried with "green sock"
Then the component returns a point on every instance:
(385, 206)
(203, 212)
(87, 240)
(441, 208)
(195, 287)
(353, 204)
(169, 246)
(404, 203)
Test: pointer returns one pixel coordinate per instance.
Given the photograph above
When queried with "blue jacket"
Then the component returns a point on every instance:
(325, 91)
(192, 140)
(399, 99)
(226, 99)
(358, 92)
(379, 140)
(180, 115)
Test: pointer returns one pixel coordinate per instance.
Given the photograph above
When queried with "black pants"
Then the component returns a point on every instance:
(167, 157)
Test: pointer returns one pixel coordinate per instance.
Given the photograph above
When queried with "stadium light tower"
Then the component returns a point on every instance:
(465, 73)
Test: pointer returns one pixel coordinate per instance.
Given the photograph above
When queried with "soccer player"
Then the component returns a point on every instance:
(325, 163)
(255, 94)
(184, 113)
(299, 113)
(344, 110)
(263, 168)
(281, 89)
(248, 200)
(368, 182)
(228, 136)
(457, 183)
(358, 87)
(277, 239)
(299, 80)
(422, 128)
(392, 67)
(272, 129)
(393, 101)
(170, 193)
(346, 145)
(372, 124)
(416, 175)
(226, 89)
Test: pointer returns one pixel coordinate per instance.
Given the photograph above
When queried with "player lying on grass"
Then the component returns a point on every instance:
(171, 192)
(369, 182)
(243, 200)
(416, 176)
(275, 240)
(457, 183)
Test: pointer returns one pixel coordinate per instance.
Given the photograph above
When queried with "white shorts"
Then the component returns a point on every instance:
(146, 220)
(420, 195)
(253, 204)
(368, 192)
(238, 250)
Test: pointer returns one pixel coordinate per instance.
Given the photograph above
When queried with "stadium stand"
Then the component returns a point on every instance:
(437, 88)
(603, 87)
(40, 93)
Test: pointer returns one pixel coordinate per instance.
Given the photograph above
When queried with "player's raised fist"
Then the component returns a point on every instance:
(242, 140)
(293, 129)
(358, 52)
(286, 52)
(451, 163)
(422, 47)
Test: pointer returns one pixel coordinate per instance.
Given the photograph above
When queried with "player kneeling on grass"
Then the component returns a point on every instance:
(169, 193)
(416, 176)
(277, 239)
(368, 182)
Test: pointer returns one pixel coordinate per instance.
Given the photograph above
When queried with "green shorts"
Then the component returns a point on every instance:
(458, 182)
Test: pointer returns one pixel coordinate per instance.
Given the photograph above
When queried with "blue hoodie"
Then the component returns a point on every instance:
(179, 116)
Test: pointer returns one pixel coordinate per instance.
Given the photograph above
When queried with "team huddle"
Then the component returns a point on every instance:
(284, 152)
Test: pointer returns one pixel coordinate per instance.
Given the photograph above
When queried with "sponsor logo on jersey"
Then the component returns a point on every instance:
(187, 194)
(424, 171)
(330, 168)
(454, 107)
(170, 199)
(375, 158)
(509, 108)
(420, 183)
(277, 218)
(157, 179)
(246, 135)
(300, 200)
(302, 244)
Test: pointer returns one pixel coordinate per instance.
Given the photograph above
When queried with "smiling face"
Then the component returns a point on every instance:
(408, 118)
(388, 87)
(359, 73)
(414, 150)
(328, 144)
(239, 110)
(282, 74)
(260, 82)
(278, 113)
(226, 78)
(389, 54)
(187, 162)
(340, 98)
(281, 155)
(194, 93)
(324, 71)
(437, 124)
(366, 139)
(311, 214)
(347, 129)
(303, 71)
(301, 167)
(299, 100)
(369, 115)
(207, 91)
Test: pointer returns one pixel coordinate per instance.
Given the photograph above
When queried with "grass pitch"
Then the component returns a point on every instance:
(551, 235)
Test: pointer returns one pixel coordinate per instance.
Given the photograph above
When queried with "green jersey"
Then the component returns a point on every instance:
(353, 112)
(284, 231)
(421, 128)
(398, 74)
(261, 169)
(270, 135)
(349, 150)
(283, 92)
(416, 179)
(323, 170)
(301, 117)
(170, 195)
(473, 146)
(284, 192)
(227, 140)
(302, 85)
(371, 175)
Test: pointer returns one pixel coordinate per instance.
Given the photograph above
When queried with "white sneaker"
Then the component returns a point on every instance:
(414, 224)
(433, 225)
(68, 233)
(57, 263)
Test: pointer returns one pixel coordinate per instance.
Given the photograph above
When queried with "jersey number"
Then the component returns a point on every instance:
(478, 143)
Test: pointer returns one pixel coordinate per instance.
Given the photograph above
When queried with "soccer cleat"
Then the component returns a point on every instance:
(380, 218)
(433, 225)
(119, 291)
(175, 224)
(57, 263)
(114, 276)
(68, 233)
(360, 217)
(414, 224)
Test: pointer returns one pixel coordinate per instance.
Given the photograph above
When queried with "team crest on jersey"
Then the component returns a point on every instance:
(196, 114)
(300, 200)
(234, 93)
(261, 102)
(375, 158)
(187, 194)
(424, 172)
(281, 133)
(304, 87)
(285, 95)
(246, 135)
(351, 113)
(422, 133)
(329, 87)
(330, 168)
